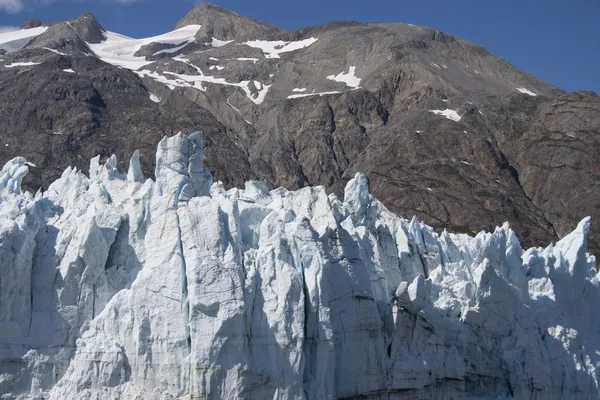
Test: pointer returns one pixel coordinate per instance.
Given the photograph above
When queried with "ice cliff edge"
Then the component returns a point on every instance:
(115, 287)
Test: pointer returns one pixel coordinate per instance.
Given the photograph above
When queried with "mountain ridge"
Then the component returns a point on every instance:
(340, 98)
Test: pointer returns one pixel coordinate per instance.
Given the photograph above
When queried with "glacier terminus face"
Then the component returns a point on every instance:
(116, 287)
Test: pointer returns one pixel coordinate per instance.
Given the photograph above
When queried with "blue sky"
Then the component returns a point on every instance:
(555, 40)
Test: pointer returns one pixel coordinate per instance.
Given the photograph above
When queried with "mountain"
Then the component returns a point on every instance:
(443, 129)
(117, 287)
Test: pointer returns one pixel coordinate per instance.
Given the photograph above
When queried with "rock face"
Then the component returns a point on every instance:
(114, 287)
(222, 24)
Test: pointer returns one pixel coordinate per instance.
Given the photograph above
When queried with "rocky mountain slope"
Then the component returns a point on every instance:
(116, 287)
(443, 129)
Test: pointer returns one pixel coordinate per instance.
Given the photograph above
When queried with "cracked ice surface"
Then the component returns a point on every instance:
(114, 287)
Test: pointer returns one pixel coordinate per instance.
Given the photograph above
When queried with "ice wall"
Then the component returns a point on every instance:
(114, 287)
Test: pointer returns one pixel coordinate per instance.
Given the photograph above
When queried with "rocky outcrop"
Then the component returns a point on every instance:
(119, 288)
(31, 23)
(222, 24)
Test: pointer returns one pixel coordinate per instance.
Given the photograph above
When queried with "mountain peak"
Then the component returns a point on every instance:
(74, 34)
(223, 24)
(88, 27)
(31, 23)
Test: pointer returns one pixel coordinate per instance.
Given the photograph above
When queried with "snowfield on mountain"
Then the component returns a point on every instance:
(115, 286)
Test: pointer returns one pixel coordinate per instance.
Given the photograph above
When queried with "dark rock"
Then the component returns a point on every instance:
(88, 28)
(61, 37)
(224, 24)
(31, 23)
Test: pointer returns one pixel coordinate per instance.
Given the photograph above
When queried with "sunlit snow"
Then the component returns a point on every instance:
(219, 43)
(196, 81)
(16, 40)
(273, 49)
(22, 64)
(450, 114)
(55, 51)
(526, 91)
(119, 49)
(154, 98)
(349, 78)
(297, 96)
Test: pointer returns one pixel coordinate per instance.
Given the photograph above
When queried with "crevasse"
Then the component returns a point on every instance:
(112, 287)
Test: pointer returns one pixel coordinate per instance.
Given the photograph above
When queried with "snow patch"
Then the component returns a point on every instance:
(172, 49)
(55, 51)
(349, 78)
(69, 70)
(197, 81)
(15, 40)
(297, 96)
(119, 50)
(22, 64)
(299, 90)
(154, 98)
(219, 43)
(273, 49)
(450, 114)
(526, 91)
(254, 60)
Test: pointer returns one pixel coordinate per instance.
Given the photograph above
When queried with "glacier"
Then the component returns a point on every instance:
(117, 287)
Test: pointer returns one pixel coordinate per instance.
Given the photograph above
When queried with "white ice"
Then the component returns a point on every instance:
(196, 81)
(119, 287)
